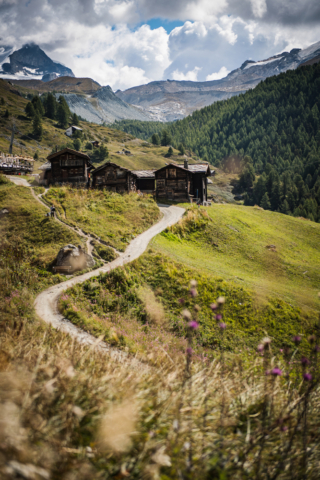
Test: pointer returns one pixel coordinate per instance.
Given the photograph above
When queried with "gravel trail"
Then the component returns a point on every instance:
(46, 303)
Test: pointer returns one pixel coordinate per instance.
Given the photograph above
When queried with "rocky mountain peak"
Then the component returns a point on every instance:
(32, 60)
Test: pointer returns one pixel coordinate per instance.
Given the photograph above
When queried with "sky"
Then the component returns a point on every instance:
(124, 43)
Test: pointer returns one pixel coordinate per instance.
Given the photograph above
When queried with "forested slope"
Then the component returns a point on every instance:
(277, 125)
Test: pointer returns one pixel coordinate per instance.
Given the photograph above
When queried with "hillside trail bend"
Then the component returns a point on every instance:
(46, 303)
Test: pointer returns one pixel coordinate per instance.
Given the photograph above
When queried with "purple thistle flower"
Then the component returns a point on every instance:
(181, 301)
(189, 351)
(307, 377)
(316, 348)
(213, 306)
(193, 325)
(296, 339)
(276, 372)
(222, 325)
(219, 317)
(305, 361)
(260, 348)
(281, 350)
(284, 428)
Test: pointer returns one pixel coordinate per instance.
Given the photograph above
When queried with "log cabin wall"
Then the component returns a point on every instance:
(114, 178)
(68, 167)
(174, 183)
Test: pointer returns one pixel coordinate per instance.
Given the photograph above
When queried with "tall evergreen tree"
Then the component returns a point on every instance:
(37, 126)
(51, 106)
(265, 202)
(166, 138)
(155, 139)
(29, 110)
(62, 116)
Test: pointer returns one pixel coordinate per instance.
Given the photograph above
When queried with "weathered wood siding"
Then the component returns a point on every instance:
(173, 183)
(114, 178)
(69, 168)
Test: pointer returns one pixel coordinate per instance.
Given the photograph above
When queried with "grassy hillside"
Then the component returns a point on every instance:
(27, 227)
(236, 243)
(115, 218)
(144, 155)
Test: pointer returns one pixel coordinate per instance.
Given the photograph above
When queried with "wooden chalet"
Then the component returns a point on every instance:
(183, 182)
(68, 166)
(120, 179)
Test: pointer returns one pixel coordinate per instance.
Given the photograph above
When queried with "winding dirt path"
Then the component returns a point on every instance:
(46, 303)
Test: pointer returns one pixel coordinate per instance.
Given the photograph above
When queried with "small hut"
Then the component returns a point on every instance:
(68, 166)
(183, 182)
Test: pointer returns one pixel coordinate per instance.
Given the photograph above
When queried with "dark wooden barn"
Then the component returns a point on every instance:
(120, 179)
(69, 166)
(183, 182)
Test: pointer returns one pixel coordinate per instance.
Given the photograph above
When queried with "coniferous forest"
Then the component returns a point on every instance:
(269, 135)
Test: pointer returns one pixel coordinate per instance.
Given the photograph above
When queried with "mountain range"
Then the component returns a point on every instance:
(171, 99)
(163, 101)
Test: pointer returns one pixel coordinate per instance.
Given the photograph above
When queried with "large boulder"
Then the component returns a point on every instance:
(75, 257)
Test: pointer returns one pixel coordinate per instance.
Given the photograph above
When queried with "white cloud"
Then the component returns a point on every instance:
(101, 39)
(223, 72)
(191, 75)
(259, 8)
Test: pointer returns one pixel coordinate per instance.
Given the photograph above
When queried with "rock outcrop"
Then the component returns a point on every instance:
(75, 257)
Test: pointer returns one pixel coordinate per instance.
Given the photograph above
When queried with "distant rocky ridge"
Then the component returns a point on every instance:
(171, 100)
(103, 106)
(30, 61)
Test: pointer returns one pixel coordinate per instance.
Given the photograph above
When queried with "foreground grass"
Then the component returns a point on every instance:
(69, 412)
(115, 218)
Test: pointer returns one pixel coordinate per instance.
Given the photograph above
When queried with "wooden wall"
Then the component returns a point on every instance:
(173, 183)
(114, 178)
(69, 168)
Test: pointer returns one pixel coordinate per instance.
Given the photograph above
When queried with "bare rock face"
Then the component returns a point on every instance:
(75, 257)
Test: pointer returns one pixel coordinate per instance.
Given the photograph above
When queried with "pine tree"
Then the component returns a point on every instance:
(2, 101)
(62, 116)
(170, 151)
(75, 119)
(37, 126)
(285, 207)
(30, 110)
(166, 138)
(37, 105)
(51, 106)
(77, 144)
(155, 139)
(181, 149)
(265, 202)
(6, 114)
